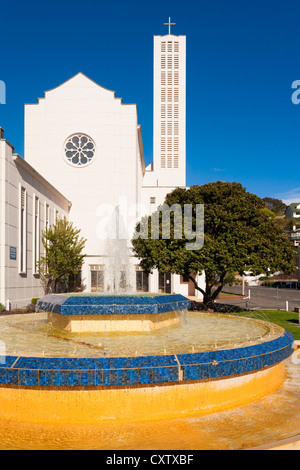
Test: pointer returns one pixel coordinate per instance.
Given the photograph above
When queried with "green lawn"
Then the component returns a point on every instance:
(288, 320)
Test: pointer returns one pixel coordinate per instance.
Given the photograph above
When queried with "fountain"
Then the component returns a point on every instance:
(198, 364)
(91, 358)
(107, 313)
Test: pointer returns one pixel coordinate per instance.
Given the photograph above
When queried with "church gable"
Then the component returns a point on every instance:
(82, 86)
(80, 124)
(80, 98)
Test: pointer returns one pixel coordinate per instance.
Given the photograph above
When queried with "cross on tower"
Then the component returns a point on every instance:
(169, 24)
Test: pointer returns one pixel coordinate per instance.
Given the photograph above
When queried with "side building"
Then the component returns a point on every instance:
(28, 204)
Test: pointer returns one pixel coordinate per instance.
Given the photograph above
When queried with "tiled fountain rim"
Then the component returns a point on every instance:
(118, 299)
(137, 304)
(143, 370)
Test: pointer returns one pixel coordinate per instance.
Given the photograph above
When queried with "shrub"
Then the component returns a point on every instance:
(31, 308)
(2, 308)
(34, 300)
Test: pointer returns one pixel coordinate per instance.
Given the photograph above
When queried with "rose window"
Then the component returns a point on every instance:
(79, 150)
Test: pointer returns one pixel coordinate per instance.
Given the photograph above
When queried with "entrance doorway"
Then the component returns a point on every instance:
(164, 283)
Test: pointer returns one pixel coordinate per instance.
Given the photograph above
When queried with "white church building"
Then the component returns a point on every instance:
(84, 160)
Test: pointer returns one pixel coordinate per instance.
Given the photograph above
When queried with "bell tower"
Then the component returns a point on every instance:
(169, 109)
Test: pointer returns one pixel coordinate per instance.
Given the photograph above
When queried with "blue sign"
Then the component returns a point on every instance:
(12, 252)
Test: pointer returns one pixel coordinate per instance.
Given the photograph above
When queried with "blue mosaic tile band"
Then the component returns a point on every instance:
(143, 370)
(221, 363)
(112, 305)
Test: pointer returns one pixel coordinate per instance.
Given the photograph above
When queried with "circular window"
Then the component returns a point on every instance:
(79, 150)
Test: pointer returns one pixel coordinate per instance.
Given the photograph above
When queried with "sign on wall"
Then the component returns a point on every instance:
(12, 252)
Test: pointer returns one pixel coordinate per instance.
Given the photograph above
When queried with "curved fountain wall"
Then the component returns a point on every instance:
(93, 389)
(144, 370)
(90, 390)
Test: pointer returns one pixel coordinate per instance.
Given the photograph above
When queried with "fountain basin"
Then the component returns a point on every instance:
(113, 313)
(55, 376)
(89, 390)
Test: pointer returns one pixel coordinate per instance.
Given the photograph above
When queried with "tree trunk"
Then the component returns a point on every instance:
(47, 286)
(208, 295)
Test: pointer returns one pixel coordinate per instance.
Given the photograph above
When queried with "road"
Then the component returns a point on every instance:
(263, 298)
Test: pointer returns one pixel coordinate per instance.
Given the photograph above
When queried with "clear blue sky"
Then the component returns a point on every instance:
(242, 58)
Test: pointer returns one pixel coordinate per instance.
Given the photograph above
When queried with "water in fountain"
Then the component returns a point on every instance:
(182, 315)
(118, 268)
(32, 334)
(119, 272)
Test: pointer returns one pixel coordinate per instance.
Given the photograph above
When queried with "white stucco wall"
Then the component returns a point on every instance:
(114, 176)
